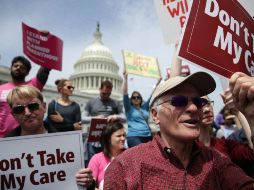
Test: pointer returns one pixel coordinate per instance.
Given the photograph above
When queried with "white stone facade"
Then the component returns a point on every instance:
(95, 65)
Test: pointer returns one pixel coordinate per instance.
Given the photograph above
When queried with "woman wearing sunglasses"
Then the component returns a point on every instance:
(64, 114)
(137, 113)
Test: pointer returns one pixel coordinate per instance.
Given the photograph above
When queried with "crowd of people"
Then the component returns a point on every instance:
(188, 152)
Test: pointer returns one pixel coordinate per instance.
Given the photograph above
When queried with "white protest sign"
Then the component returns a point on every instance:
(40, 162)
(172, 16)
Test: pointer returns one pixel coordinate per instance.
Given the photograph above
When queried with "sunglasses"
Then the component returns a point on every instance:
(71, 87)
(21, 108)
(182, 101)
(136, 97)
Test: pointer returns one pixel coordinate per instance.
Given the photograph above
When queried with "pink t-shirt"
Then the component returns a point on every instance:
(7, 121)
(97, 164)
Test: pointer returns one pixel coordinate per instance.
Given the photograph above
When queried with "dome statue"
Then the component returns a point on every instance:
(95, 65)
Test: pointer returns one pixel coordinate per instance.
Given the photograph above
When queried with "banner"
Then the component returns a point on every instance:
(39, 162)
(43, 50)
(219, 36)
(141, 65)
(96, 127)
(172, 16)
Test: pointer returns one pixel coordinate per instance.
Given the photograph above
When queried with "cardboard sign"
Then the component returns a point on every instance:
(185, 71)
(141, 65)
(219, 36)
(40, 162)
(96, 127)
(172, 16)
(43, 50)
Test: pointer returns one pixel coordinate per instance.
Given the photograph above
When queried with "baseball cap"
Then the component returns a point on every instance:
(202, 81)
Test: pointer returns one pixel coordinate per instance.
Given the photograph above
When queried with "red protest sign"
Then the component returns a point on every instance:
(219, 36)
(43, 50)
(96, 127)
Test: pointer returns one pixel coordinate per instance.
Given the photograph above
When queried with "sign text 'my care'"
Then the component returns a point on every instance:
(11, 181)
(225, 40)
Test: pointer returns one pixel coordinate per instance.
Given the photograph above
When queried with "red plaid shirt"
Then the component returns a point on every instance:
(154, 166)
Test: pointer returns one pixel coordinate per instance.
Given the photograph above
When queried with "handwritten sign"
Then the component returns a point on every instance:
(172, 16)
(227, 45)
(97, 125)
(41, 162)
(43, 50)
(141, 65)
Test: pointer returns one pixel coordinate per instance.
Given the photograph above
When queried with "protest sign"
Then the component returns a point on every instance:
(248, 6)
(141, 65)
(40, 162)
(219, 36)
(96, 127)
(43, 50)
(185, 71)
(172, 16)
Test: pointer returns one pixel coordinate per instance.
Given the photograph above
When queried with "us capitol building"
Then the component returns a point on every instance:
(95, 65)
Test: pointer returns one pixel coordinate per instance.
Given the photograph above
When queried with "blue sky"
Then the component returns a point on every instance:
(125, 24)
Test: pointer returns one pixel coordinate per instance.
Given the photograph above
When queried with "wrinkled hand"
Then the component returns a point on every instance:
(227, 98)
(56, 117)
(84, 177)
(112, 118)
(242, 89)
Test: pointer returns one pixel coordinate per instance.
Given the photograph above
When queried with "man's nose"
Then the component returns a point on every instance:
(27, 111)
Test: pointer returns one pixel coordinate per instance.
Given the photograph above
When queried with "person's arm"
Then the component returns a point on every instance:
(239, 153)
(176, 65)
(84, 178)
(120, 116)
(228, 175)
(125, 83)
(42, 75)
(240, 119)
(242, 89)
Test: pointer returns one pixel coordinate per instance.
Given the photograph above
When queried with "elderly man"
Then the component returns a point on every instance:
(28, 108)
(174, 160)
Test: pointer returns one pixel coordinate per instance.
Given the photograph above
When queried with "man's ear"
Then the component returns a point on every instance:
(44, 105)
(155, 115)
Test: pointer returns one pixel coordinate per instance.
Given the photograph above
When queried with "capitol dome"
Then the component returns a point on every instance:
(95, 65)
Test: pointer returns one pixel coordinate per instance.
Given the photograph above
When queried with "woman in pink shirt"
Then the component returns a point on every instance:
(112, 140)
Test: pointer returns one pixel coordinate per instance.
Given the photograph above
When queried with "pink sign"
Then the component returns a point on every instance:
(43, 50)
(219, 36)
(96, 127)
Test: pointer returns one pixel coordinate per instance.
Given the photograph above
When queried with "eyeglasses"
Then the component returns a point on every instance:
(182, 101)
(210, 103)
(21, 108)
(136, 97)
(71, 87)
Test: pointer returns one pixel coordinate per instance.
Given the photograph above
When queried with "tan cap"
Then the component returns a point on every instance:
(202, 81)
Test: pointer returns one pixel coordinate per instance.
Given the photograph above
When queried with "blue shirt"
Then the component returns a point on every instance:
(137, 119)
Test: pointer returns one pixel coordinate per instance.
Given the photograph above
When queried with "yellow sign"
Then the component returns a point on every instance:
(141, 65)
